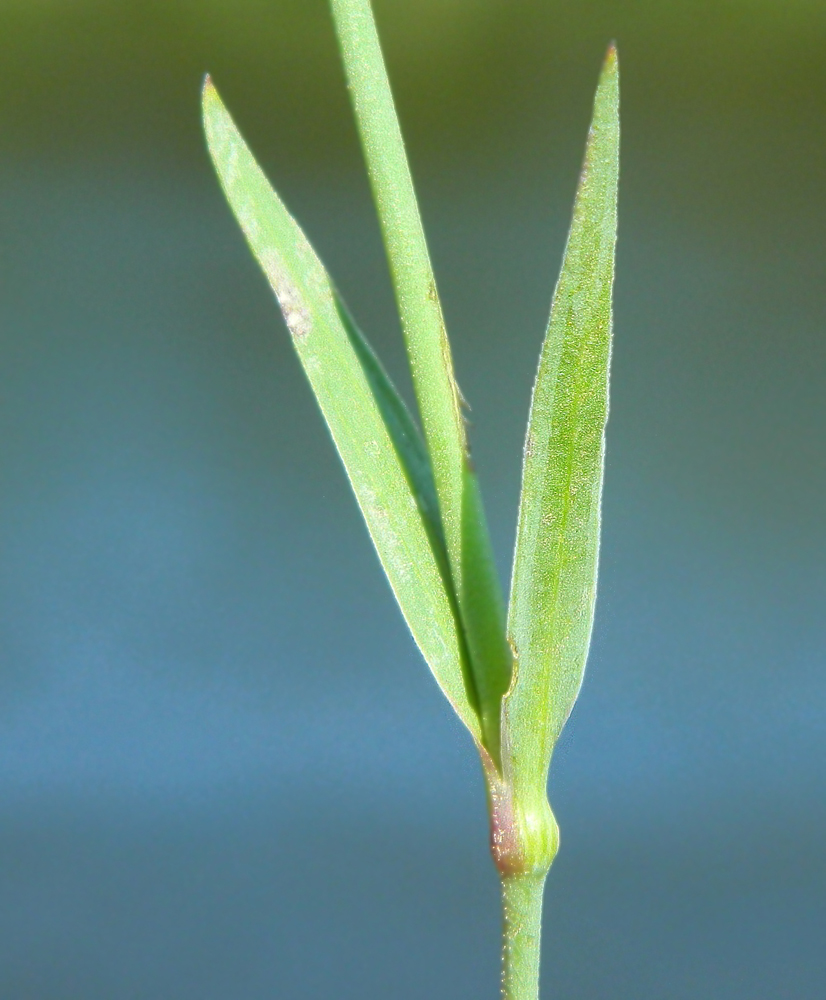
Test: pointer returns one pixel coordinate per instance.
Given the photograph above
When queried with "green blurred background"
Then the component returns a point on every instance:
(224, 771)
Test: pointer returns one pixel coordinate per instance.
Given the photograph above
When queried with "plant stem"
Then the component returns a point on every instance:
(470, 556)
(522, 910)
(407, 254)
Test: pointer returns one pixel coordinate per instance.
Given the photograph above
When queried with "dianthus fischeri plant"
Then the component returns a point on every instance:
(512, 676)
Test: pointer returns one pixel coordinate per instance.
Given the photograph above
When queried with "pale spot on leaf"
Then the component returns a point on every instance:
(296, 314)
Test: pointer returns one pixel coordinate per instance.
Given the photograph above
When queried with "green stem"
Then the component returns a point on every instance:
(522, 905)
(407, 254)
(475, 581)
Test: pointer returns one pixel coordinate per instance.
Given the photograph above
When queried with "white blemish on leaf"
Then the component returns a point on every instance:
(296, 314)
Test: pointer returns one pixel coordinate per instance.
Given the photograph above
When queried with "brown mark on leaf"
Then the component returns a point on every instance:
(296, 314)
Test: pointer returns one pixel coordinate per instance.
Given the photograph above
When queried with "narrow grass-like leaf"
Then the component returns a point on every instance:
(471, 562)
(555, 563)
(376, 438)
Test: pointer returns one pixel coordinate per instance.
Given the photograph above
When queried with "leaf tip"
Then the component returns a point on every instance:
(213, 115)
(610, 65)
(209, 97)
(608, 87)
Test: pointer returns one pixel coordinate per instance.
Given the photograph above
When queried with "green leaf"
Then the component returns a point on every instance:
(555, 564)
(376, 438)
(475, 580)
(406, 438)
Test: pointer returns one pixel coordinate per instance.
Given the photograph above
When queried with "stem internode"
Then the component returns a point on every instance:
(522, 913)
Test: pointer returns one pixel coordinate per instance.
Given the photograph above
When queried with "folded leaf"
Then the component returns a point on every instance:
(379, 444)
(555, 563)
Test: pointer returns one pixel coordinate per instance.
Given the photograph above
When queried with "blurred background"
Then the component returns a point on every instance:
(224, 770)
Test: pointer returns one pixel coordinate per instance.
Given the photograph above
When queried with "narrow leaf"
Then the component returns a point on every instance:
(376, 438)
(475, 581)
(555, 563)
